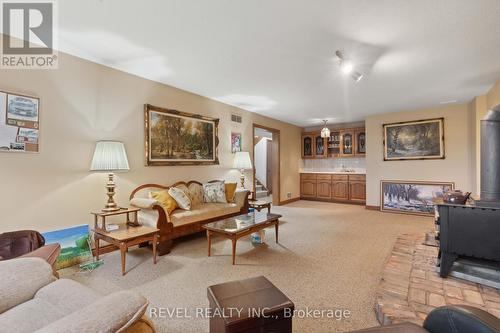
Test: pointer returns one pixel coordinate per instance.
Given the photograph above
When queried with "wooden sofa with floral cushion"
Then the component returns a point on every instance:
(182, 222)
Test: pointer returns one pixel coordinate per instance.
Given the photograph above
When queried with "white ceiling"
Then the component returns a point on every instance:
(276, 57)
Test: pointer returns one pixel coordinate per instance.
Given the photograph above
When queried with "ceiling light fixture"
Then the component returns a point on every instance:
(325, 132)
(451, 101)
(347, 67)
(356, 76)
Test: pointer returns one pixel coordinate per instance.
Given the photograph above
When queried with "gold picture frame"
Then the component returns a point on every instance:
(179, 138)
(414, 140)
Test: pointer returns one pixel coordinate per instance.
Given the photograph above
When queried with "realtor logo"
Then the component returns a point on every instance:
(28, 35)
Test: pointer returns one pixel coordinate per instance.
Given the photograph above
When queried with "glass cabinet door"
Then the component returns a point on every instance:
(307, 146)
(360, 143)
(347, 144)
(320, 146)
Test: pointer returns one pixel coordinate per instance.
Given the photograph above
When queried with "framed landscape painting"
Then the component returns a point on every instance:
(411, 197)
(179, 138)
(415, 140)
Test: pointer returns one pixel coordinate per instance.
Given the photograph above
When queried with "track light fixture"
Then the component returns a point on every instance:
(347, 67)
(356, 76)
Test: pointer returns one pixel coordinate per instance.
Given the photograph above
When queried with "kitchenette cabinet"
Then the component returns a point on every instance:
(324, 186)
(308, 186)
(346, 142)
(341, 187)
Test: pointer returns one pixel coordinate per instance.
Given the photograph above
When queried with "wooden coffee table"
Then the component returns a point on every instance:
(236, 227)
(125, 237)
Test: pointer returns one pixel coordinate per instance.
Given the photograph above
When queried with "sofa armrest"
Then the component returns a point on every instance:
(144, 203)
(241, 198)
(49, 253)
(117, 312)
(21, 279)
(470, 319)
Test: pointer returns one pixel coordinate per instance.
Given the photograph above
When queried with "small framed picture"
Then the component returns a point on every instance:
(235, 142)
(19, 123)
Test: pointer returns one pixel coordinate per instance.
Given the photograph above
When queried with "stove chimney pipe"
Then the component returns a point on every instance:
(490, 157)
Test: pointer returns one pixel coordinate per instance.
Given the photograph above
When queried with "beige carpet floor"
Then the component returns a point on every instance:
(330, 256)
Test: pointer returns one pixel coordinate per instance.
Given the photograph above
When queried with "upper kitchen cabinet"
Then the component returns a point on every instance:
(307, 146)
(342, 142)
(360, 142)
(333, 144)
(347, 146)
(320, 146)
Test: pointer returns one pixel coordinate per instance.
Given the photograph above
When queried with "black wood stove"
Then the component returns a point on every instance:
(473, 231)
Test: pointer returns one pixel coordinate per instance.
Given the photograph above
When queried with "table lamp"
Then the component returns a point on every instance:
(242, 161)
(110, 156)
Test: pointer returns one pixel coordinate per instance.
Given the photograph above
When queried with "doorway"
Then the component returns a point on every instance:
(266, 164)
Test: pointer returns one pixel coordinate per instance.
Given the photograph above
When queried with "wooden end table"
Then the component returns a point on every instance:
(128, 234)
(236, 227)
(259, 205)
(122, 211)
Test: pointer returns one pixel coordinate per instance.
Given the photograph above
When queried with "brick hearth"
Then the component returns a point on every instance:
(410, 287)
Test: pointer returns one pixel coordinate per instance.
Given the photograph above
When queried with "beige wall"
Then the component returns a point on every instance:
(493, 96)
(83, 102)
(456, 167)
(479, 110)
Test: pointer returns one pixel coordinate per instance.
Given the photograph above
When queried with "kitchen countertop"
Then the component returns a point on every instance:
(335, 172)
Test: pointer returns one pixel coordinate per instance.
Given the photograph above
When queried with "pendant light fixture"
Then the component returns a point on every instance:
(325, 132)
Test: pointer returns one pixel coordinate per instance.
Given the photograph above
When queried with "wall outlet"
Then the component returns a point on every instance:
(289, 195)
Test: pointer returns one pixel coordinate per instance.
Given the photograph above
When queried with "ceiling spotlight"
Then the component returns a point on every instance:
(356, 76)
(347, 67)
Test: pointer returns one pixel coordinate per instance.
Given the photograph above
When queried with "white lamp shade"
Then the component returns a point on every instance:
(109, 156)
(242, 160)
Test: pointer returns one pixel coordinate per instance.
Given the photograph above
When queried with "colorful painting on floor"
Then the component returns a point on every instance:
(412, 197)
(74, 245)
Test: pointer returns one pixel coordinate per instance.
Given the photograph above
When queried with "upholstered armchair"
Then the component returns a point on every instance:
(28, 243)
(33, 300)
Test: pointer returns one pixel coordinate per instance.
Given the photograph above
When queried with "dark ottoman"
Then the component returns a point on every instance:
(251, 305)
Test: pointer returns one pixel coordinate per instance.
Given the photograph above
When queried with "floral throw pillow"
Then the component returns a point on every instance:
(214, 192)
(180, 197)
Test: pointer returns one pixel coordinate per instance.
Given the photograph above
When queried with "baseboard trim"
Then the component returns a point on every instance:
(372, 207)
(286, 202)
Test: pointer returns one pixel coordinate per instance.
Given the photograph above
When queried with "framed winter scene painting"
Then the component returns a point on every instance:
(411, 197)
(414, 140)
